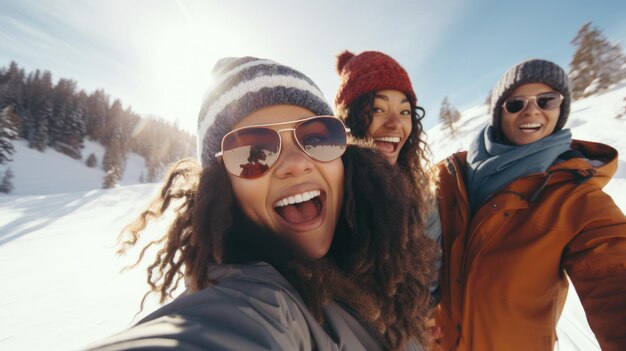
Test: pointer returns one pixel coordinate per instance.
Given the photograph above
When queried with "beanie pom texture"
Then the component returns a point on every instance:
(342, 59)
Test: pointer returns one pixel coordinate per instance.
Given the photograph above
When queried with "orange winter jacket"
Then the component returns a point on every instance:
(503, 281)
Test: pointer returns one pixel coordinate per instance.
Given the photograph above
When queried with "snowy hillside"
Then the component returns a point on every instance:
(60, 287)
(49, 172)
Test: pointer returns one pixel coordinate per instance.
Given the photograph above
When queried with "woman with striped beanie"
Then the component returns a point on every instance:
(276, 235)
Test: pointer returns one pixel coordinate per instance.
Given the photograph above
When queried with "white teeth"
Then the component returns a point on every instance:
(298, 198)
(389, 139)
(531, 125)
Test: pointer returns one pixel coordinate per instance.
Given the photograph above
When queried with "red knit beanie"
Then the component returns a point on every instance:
(369, 71)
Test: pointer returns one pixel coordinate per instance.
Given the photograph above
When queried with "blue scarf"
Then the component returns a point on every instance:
(492, 166)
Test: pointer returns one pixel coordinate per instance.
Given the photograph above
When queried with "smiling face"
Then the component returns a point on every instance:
(298, 198)
(391, 123)
(531, 123)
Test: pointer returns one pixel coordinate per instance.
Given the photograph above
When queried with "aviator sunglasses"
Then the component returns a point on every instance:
(545, 101)
(249, 152)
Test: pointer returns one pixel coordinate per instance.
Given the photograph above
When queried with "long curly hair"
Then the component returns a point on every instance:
(414, 157)
(380, 262)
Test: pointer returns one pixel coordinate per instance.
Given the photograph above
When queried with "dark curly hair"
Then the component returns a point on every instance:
(414, 158)
(379, 263)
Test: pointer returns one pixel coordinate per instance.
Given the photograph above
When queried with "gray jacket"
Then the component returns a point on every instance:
(253, 307)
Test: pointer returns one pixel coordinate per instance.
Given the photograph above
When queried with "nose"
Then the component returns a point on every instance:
(531, 106)
(292, 162)
(393, 121)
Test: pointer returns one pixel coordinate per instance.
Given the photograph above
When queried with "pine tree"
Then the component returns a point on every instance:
(154, 169)
(112, 176)
(40, 136)
(67, 127)
(76, 129)
(6, 185)
(112, 121)
(38, 97)
(14, 96)
(92, 161)
(8, 133)
(97, 106)
(597, 64)
(448, 115)
(114, 159)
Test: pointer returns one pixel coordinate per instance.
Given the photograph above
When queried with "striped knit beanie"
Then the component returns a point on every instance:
(369, 71)
(531, 71)
(242, 85)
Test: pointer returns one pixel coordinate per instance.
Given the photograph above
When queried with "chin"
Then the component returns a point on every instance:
(314, 253)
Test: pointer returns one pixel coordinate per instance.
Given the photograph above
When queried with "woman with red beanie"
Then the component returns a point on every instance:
(376, 101)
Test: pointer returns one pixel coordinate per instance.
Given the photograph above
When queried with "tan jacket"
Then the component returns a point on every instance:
(503, 281)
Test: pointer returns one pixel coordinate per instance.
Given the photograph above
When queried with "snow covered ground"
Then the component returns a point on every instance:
(50, 172)
(60, 286)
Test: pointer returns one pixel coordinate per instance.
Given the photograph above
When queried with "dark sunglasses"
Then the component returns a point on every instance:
(249, 152)
(545, 101)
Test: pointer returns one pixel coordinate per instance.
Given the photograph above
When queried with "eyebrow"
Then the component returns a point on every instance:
(386, 98)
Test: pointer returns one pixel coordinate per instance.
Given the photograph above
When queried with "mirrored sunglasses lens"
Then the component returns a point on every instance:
(548, 101)
(250, 152)
(323, 138)
(514, 105)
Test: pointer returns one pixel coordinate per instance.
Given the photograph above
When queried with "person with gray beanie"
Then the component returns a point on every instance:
(521, 211)
(277, 233)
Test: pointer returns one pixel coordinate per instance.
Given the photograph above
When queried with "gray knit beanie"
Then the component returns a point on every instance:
(242, 85)
(531, 71)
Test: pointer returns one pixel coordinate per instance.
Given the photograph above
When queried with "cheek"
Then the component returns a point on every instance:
(251, 195)
(334, 174)
(372, 128)
(554, 118)
(505, 123)
(407, 125)
(375, 124)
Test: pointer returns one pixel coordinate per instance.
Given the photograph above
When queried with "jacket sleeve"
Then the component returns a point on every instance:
(219, 318)
(595, 260)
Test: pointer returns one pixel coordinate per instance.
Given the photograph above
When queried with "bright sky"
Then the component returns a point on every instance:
(156, 55)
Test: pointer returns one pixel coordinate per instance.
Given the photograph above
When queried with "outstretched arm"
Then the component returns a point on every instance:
(219, 318)
(595, 261)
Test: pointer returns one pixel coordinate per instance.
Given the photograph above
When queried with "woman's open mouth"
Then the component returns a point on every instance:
(301, 210)
(387, 144)
(530, 127)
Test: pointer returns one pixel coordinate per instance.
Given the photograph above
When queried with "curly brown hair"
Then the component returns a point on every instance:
(380, 263)
(414, 157)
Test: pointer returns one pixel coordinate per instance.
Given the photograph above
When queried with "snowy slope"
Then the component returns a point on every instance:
(50, 172)
(60, 283)
(60, 287)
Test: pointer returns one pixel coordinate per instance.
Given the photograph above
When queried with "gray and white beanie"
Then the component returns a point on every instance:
(242, 85)
(531, 71)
